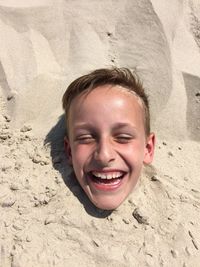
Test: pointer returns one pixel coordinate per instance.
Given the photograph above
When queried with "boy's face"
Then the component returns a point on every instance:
(107, 145)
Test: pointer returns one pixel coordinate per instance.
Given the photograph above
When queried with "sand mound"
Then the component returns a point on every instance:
(46, 220)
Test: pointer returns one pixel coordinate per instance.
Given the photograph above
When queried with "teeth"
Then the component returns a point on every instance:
(110, 175)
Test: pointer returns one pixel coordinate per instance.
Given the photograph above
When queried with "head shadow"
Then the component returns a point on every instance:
(55, 140)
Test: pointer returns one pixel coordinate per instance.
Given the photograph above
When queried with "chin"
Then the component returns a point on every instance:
(106, 207)
(107, 203)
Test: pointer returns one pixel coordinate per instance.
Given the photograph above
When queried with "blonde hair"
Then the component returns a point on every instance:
(115, 76)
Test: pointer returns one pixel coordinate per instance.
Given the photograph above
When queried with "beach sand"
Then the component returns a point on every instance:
(46, 219)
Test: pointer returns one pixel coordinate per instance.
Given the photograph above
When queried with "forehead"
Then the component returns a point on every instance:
(113, 102)
(107, 92)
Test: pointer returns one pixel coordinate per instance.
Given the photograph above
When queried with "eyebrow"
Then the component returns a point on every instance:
(83, 126)
(118, 125)
(123, 125)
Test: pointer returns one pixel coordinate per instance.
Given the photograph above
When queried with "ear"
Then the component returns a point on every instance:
(149, 149)
(68, 150)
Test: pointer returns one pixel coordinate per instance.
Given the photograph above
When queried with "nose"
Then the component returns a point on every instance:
(104, 152)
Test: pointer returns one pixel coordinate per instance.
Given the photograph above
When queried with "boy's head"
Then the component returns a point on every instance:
(108, 134)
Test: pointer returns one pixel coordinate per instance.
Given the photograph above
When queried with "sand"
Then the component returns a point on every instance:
(46, 219)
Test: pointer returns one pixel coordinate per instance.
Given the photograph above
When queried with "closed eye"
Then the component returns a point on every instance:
(123, 138)
(85, 139)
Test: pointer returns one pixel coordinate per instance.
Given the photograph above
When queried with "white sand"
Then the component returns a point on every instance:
(46, 220)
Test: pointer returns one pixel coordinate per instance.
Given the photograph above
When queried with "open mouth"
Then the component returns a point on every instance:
(106, 180)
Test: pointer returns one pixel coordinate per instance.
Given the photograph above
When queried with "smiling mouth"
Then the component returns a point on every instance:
(109, 178)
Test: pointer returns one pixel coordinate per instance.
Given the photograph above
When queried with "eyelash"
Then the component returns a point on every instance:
(123, 139)
(87, 139)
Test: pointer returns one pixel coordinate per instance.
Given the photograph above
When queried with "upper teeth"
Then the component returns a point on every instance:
(110, 175)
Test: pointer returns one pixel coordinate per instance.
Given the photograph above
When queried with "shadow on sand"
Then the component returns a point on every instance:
(192, 85)
(54, 139)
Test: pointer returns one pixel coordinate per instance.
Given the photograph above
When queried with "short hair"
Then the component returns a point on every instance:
(114, 76)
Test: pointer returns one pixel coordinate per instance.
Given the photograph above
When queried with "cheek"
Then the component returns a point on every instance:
(80, 156)
(77, 164)
(133, 153)
(76, 157)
